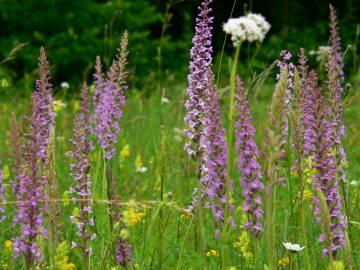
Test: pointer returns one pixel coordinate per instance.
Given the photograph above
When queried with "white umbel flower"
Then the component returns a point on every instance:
(252, 27)
(261, 23)
(293, 247)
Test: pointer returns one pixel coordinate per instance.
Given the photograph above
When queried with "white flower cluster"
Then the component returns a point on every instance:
(252, 27)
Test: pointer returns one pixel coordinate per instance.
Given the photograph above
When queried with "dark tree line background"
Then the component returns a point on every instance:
(75, 31)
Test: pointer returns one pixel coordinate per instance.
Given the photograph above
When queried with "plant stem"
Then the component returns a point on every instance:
(229, 160)
(202, 241)
(257, 252)
(270, 226)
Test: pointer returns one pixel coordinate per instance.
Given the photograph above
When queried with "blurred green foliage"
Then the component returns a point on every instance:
(74, 32)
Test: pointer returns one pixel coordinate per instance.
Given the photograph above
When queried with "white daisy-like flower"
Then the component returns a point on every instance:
(141, 169)
(293, 247)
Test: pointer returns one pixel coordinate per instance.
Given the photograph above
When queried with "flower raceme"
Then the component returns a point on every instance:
(248, 165)
(214, 168)
(200, 63)
(32, 175)
(108, 103)
(318, 146)
(109, 99)
(80, 167)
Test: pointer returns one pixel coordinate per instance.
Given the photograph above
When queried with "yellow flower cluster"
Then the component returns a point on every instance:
(307, 194)
(58, 105)
(184, 216)
(309, 171)
(212, 253)
(6, 172)
(125, 152)
(243, 244)
(124, 234)
(336, 265)
(61, 258)
(131, 217)
(139, 165)
(8, 245)
(283, 261)
(138, 162)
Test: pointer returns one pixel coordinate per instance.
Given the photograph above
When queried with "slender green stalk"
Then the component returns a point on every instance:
(301, 215)
(223, 47)
(202, 241)
(257, 253)
(51, 190)
(183, 244)
(270, 226)
(162, 171)
(224, 245)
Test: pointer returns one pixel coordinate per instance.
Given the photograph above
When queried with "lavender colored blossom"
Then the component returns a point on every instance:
(309, 112)
(108, 102)
(335, 75)
(248, 165)
(283, 65)
(318, 137)
(123, 253)
(80, 168)
(32, 177)
(296, 110)
(2, 197)
(201, 61)
(303, 68)
(212, 141)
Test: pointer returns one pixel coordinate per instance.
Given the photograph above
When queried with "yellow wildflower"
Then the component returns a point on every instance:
(58, 105)
(336, 265)
(76, 105)
(125, 152)
(61, 258)
(138, 162)
(66, 198)
(283, 261)
(243, 244)
(124, 233)
(8, 245)
(131, 217)
(75, 215)
(184, 216)
(6, 172)
(294, 173)
(308, 194)
(309, 170)
(212, 253)
(139, 165)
